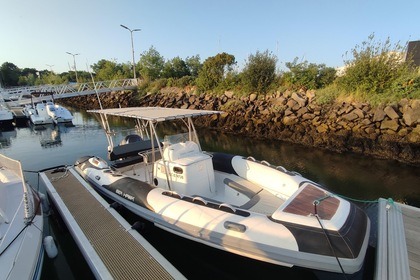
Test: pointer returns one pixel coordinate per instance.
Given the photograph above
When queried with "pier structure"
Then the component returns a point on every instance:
(110, 246)
(398, 244)
(20, 96)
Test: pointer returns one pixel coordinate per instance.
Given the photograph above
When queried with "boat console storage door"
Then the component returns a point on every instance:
(189, 170)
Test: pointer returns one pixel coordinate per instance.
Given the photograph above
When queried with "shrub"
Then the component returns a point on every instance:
(185, 81)
(328, 94)
(259, 72)
(230, 82)
(378, 72)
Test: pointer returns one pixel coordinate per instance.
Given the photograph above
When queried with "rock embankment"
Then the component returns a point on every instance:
(391, 132)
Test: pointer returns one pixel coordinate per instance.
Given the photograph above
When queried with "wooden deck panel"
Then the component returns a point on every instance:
(120, 252)
(303, 203)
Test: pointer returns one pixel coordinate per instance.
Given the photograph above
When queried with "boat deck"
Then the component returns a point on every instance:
(112, 249)
(398, 248)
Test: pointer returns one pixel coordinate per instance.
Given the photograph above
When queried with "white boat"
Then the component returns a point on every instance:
(21, 225)
(37, 114)
(229, 202)
(28, 110)
(58, 113)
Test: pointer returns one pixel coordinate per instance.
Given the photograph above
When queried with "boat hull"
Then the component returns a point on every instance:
(21, 225)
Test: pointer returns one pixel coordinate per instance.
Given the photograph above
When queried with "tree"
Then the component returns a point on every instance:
(151, 64)
(194, 65)
(213, 71)
(307, 75)
(28, 80)
(28, 71)
(50, 78)
(10, 74)
(259, 72)
(28, 77)
(106, 70)
(175, 68)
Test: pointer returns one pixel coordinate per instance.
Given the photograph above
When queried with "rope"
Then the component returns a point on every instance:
(45, 169)
(390, 202)
(66, 173)
(357, 200)
(317, 202)
(58, 168)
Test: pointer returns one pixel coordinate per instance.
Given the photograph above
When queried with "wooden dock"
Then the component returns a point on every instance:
(398, 247)
(411, 218)
(19, 118)
(112, 249)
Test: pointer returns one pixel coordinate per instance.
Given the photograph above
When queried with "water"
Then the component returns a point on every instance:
(350, 175)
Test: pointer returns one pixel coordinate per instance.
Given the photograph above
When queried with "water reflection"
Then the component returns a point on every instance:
(49, 135)
(6, 137)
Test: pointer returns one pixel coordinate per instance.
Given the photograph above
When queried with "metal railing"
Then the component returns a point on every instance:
(22, 95)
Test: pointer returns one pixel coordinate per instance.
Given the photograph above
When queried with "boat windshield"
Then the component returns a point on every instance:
(180, 138)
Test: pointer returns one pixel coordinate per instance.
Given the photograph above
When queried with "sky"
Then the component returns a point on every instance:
(37, 34)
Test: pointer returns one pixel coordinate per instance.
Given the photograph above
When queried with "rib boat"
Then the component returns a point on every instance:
(21, 225)
(241, 205)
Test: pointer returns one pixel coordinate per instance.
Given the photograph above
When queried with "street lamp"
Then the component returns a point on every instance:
(74, 63)
(50, 67)
(132, 46)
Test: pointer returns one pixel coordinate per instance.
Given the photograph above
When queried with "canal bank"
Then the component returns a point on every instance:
(391, 132)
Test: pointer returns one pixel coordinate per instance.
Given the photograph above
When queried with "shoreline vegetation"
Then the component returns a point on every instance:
(371, 105)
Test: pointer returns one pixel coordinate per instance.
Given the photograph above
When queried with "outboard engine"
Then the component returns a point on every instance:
(131, 139)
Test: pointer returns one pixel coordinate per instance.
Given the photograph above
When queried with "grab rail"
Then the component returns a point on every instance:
(200, 199)
(279, 167)
(227, 206)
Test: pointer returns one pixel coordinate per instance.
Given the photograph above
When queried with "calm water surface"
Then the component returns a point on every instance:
(349, 175)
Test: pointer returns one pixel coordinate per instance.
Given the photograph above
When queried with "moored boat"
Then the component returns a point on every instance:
(21, 225)
(58, 113)
(37, 114)
(229, 202)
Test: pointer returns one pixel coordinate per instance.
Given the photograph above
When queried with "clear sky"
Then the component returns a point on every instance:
(36, 34)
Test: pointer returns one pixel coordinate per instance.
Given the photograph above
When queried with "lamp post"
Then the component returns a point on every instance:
(74, 63)
(132, 46)
(50, 67)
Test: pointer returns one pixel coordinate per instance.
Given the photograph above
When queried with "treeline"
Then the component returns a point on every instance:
(376, 72)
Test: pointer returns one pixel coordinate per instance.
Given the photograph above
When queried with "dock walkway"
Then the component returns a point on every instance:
(398, 247)
(112, 249)
(411, 219)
